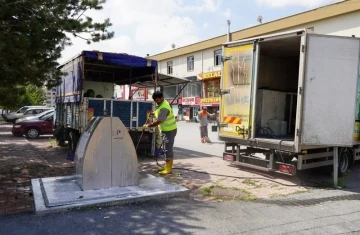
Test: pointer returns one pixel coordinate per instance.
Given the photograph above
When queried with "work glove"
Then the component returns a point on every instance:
(144, 127)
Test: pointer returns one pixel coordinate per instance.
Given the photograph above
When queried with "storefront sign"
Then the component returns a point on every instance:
(138, 94)
(173, 101)
(210, 100)
(188, 101)
(210, 75)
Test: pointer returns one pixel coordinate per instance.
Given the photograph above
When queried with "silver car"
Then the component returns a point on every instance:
(25, 111)
(35, 117)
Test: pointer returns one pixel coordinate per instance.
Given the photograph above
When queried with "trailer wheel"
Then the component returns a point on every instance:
(345, 161)
(72, 141)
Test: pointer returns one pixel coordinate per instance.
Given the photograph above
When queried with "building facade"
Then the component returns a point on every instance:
(201, 62)
(50, 96)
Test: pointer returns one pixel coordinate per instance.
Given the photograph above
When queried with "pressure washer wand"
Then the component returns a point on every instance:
(142, 133)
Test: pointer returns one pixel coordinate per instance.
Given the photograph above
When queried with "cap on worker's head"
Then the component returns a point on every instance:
(157, 94)
(204, 108)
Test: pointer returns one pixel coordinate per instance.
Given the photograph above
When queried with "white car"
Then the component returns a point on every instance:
(36, 116)
(25, 111)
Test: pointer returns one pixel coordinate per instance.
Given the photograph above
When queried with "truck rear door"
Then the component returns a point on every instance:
(237, 82)
(329, 93)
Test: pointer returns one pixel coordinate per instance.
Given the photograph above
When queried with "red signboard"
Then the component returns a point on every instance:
(173, 101)
(188, 101)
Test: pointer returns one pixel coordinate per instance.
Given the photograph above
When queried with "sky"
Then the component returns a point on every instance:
(151, 26)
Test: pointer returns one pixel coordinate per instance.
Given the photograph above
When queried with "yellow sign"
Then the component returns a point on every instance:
(211, 75)
(210, 100)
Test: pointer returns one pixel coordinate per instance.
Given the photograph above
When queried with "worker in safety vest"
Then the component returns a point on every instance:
(167, 122)
(203, 120)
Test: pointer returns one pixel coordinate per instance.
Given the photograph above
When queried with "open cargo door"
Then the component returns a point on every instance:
(236, 88)
(330, 86)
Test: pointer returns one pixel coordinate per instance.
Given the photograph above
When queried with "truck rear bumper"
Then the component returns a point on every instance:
(267, 165)
(277, 144)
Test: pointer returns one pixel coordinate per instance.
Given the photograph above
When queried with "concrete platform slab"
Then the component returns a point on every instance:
(57, 194)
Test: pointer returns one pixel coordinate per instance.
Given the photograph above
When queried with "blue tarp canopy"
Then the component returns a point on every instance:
(121, 69)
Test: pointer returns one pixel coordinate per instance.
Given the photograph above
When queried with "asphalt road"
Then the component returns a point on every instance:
(318, 212)
(334, 214)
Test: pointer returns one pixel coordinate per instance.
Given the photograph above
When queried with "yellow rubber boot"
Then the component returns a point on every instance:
(161, 168)
(168, 168)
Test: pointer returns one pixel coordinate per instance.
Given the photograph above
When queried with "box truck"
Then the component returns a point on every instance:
(87, 89)
(289, 99)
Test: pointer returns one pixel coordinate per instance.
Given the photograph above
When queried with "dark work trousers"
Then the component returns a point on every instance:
(203, 131)
(169, 138)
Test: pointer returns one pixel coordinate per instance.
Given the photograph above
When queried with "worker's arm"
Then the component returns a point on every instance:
(199, 117)
(163, 113)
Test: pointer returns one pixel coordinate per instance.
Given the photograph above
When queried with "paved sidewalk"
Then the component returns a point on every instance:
(20, 161)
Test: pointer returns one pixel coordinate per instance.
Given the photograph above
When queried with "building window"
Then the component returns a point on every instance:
(311, 29)
(217, 57)
(170, 92)
(190, 63)
(192, 90)
(212, 88)
(169, 67)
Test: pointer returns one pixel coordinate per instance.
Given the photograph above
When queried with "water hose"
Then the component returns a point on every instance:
(141, 135)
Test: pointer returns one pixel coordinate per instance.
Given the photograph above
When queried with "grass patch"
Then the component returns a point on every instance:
(249, 196)
(52, 142)
(341, 179)
(207, 191)
(223, 193)
(251, 183)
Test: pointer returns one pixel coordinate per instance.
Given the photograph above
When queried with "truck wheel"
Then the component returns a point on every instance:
(32, 133)
(345, 161)
(72, 141)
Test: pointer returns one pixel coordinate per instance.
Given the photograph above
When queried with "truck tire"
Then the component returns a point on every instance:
(72, 141)
(345, 160)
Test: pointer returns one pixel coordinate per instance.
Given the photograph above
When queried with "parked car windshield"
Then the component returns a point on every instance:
(45, 113)
(22, 110)
(46, 116)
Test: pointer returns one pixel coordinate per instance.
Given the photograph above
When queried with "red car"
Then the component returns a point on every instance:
(33, 128)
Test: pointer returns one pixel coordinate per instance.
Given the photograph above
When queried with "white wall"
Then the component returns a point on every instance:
(203, 63)
(345, 25)
(50, 97)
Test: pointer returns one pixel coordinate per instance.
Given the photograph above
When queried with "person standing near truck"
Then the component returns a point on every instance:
(167, 122)
(203, 116)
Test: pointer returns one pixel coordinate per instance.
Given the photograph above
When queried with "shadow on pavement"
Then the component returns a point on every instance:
(170, 216)
(21, 161)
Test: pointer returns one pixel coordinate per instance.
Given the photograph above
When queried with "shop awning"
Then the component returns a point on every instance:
(163, 81)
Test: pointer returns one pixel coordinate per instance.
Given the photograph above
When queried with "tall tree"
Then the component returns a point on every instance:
(21, 96)
(33, 34)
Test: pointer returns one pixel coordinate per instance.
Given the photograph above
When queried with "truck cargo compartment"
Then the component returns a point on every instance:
(276, 95)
